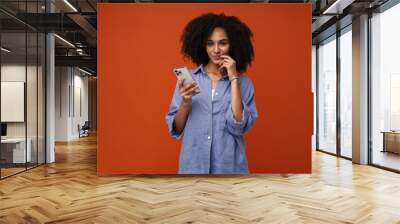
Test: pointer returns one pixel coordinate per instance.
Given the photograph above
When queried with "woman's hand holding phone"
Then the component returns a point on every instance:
(187, 91)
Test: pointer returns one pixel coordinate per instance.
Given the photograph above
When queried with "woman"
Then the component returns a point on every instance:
(214, 121)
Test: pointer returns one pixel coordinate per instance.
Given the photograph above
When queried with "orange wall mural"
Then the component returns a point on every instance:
(138, 47)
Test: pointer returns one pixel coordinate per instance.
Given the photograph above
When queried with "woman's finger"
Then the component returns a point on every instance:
(185, 88)
(180, 83)
(226, 64)
(225, 61)
(230, 62)
(187, 92)
(229, 59)
(225, 57)
(194, 91)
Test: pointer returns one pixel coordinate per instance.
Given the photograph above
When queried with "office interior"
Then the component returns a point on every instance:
(49, 75)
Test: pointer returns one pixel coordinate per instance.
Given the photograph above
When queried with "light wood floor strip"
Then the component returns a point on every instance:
(69, 191)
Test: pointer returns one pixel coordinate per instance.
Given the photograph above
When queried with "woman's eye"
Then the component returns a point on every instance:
(209, 44)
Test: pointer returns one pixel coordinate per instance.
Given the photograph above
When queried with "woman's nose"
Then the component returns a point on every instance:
(217, 49)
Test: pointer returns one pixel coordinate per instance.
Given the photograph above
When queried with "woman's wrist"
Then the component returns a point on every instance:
(186, 104)
(234, 78)
(232, 75)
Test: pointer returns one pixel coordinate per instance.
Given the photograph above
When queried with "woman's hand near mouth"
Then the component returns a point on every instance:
(230, 65)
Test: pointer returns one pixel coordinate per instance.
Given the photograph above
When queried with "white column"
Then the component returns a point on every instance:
(360, 90)
(50, 92)
(63, 100)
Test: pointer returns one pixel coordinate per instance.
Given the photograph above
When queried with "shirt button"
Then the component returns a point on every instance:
(209, 137)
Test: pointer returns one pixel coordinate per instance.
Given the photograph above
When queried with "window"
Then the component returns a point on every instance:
(385, 87)
(346, 93)
(327, 95)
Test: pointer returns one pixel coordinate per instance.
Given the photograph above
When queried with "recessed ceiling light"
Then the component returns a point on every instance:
(70, 5)
(5, 50)
(84, 71)
(64, 40)
(338, 6)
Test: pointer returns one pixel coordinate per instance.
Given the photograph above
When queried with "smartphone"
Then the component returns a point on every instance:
(183, 73)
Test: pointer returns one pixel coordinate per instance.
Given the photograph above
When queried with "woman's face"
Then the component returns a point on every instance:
(217, 45)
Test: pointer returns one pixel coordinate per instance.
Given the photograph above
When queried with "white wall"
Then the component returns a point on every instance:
(33, 127)
(80, 89)
(71, 93)
(16, 73)
(61, 103)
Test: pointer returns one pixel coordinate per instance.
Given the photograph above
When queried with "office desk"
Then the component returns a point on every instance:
(391, 141)
(13, 150)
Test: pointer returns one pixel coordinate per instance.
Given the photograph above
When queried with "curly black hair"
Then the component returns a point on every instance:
(198, 30)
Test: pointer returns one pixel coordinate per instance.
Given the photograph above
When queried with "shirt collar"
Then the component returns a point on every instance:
(200, 68)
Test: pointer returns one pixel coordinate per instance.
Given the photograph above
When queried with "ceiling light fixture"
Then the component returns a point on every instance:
(79, 51)
(64, 40)
(70, 5)
(5, 50)
(84, 71)
(337, 7)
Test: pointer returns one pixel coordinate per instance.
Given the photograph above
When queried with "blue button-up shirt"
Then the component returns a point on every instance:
(212, 139)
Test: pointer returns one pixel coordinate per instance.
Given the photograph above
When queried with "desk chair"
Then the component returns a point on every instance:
(84, 130)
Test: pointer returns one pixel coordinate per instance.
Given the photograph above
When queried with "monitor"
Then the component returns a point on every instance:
(3, 129)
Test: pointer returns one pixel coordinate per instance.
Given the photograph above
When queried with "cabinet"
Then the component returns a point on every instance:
(13, 151)
(391, 141)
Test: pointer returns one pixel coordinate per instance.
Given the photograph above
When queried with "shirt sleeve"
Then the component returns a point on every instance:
(249, 114)
(173, 108)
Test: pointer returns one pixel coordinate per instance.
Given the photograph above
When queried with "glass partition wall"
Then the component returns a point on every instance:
(22, 88)
(345, 62)
(14, 153)
(327, 95)
(334, 90)
(385, 89)
(334, 93)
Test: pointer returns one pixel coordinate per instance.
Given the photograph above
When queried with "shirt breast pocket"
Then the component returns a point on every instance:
(221, 115)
